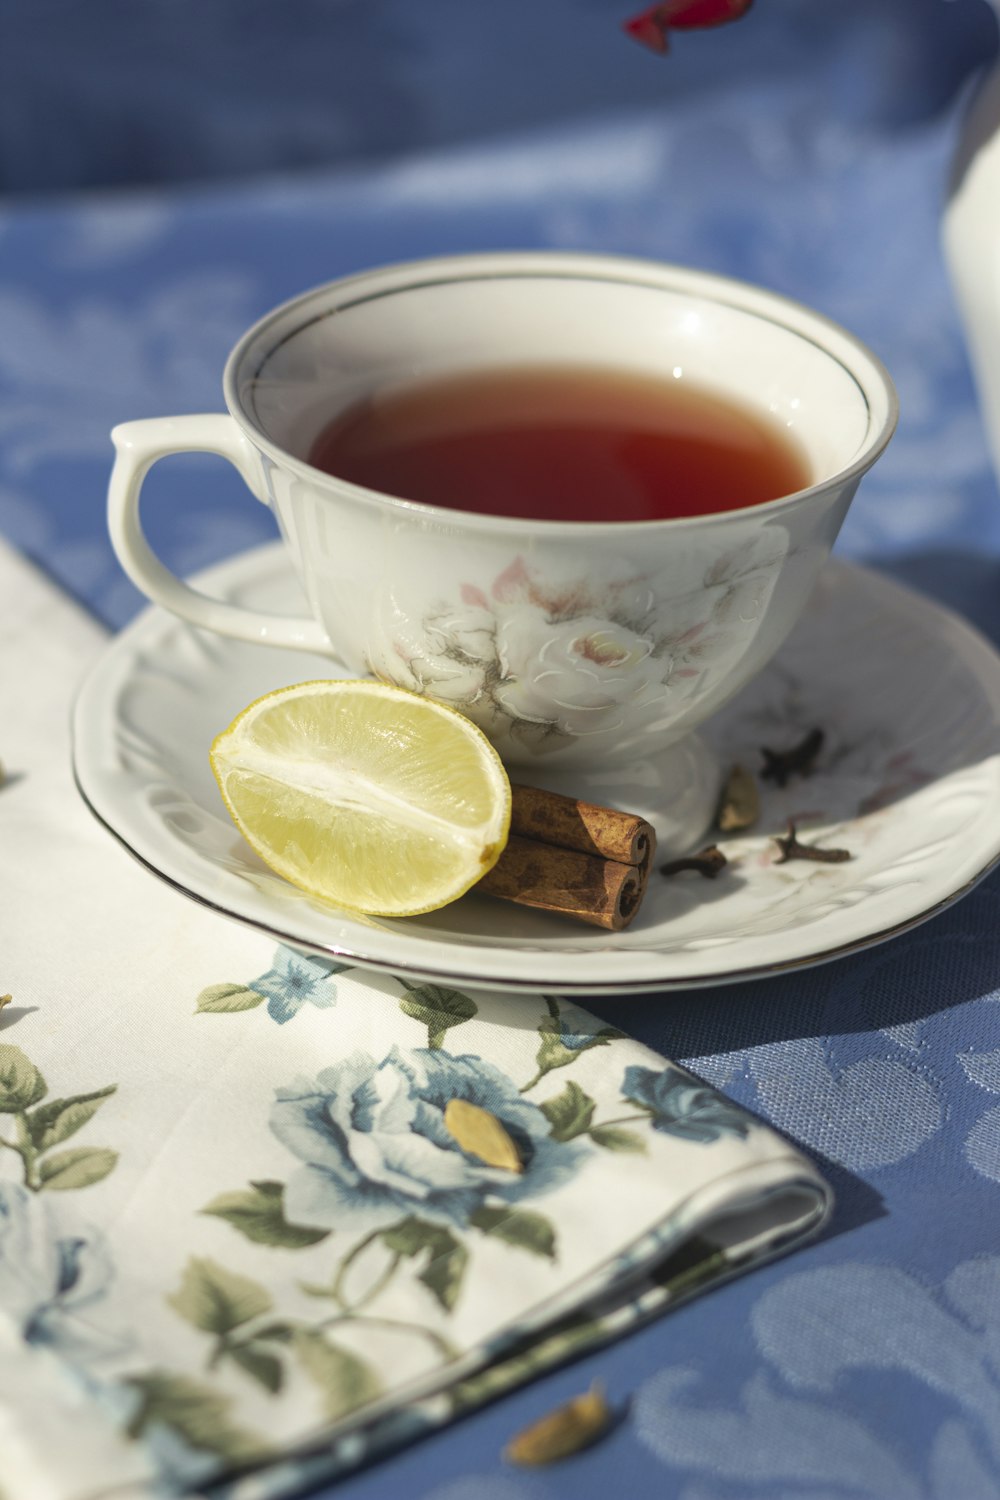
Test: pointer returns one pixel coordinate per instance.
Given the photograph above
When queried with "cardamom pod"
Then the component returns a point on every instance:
(481, 1134)
(567, 1430)
(739, 806)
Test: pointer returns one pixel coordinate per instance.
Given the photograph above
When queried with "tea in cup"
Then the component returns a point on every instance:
(582, 499)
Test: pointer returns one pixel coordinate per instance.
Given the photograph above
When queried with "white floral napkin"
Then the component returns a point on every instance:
(246, 1239)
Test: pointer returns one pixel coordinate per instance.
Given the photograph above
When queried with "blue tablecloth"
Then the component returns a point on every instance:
(867, 1365)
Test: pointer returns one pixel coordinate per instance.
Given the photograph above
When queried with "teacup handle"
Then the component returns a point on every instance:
(139, 445)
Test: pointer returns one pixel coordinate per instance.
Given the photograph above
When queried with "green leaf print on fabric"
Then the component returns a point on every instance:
(447, 1256)
(570, 1112)
(196, 1412)
(345, 1380)
(55, 1122)
(614, 1138)
(222, 999)
(223, 1303)
(39, 1127)
(257, 1360)
(258, 1213)
(561, 1044)
(216, 1300)
(78, 1168)
(437, 1008)
(518, 1226)
(21, 1084)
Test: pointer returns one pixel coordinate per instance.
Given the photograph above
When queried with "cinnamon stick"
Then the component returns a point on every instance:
(571, 824)
(573, 858)
(602, 892)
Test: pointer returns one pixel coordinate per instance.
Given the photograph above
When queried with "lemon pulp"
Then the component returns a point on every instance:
(365, 795)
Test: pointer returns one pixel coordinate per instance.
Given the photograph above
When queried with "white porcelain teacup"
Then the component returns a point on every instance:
(579, 647)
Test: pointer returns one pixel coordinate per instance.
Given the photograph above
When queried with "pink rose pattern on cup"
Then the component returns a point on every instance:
(541, 663)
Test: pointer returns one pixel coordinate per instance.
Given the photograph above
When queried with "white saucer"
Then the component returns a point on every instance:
(908, 780)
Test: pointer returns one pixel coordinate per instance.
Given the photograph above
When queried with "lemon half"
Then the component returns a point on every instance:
(365, 795)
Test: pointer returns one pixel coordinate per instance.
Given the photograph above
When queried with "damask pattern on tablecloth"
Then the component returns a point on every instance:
(789, 1429)
(884, 1064)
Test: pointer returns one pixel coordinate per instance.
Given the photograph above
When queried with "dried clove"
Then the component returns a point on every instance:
(739, 805)
(779, 765)
(791, 849)
(707, 862)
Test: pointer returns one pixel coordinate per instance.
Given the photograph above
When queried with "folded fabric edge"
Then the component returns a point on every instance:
(736, 1222)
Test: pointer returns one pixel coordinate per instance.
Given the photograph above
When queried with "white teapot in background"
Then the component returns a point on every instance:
(971, 242)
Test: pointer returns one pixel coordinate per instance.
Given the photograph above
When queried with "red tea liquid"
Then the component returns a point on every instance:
(557, 443)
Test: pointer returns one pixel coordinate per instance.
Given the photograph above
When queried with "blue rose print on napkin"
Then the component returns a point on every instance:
(374, 1142)
(55, 1271)
(683, 1106)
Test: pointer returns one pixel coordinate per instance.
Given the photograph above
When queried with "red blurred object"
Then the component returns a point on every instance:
(652, 27)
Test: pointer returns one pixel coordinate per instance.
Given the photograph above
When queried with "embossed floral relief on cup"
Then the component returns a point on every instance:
(542, 661)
